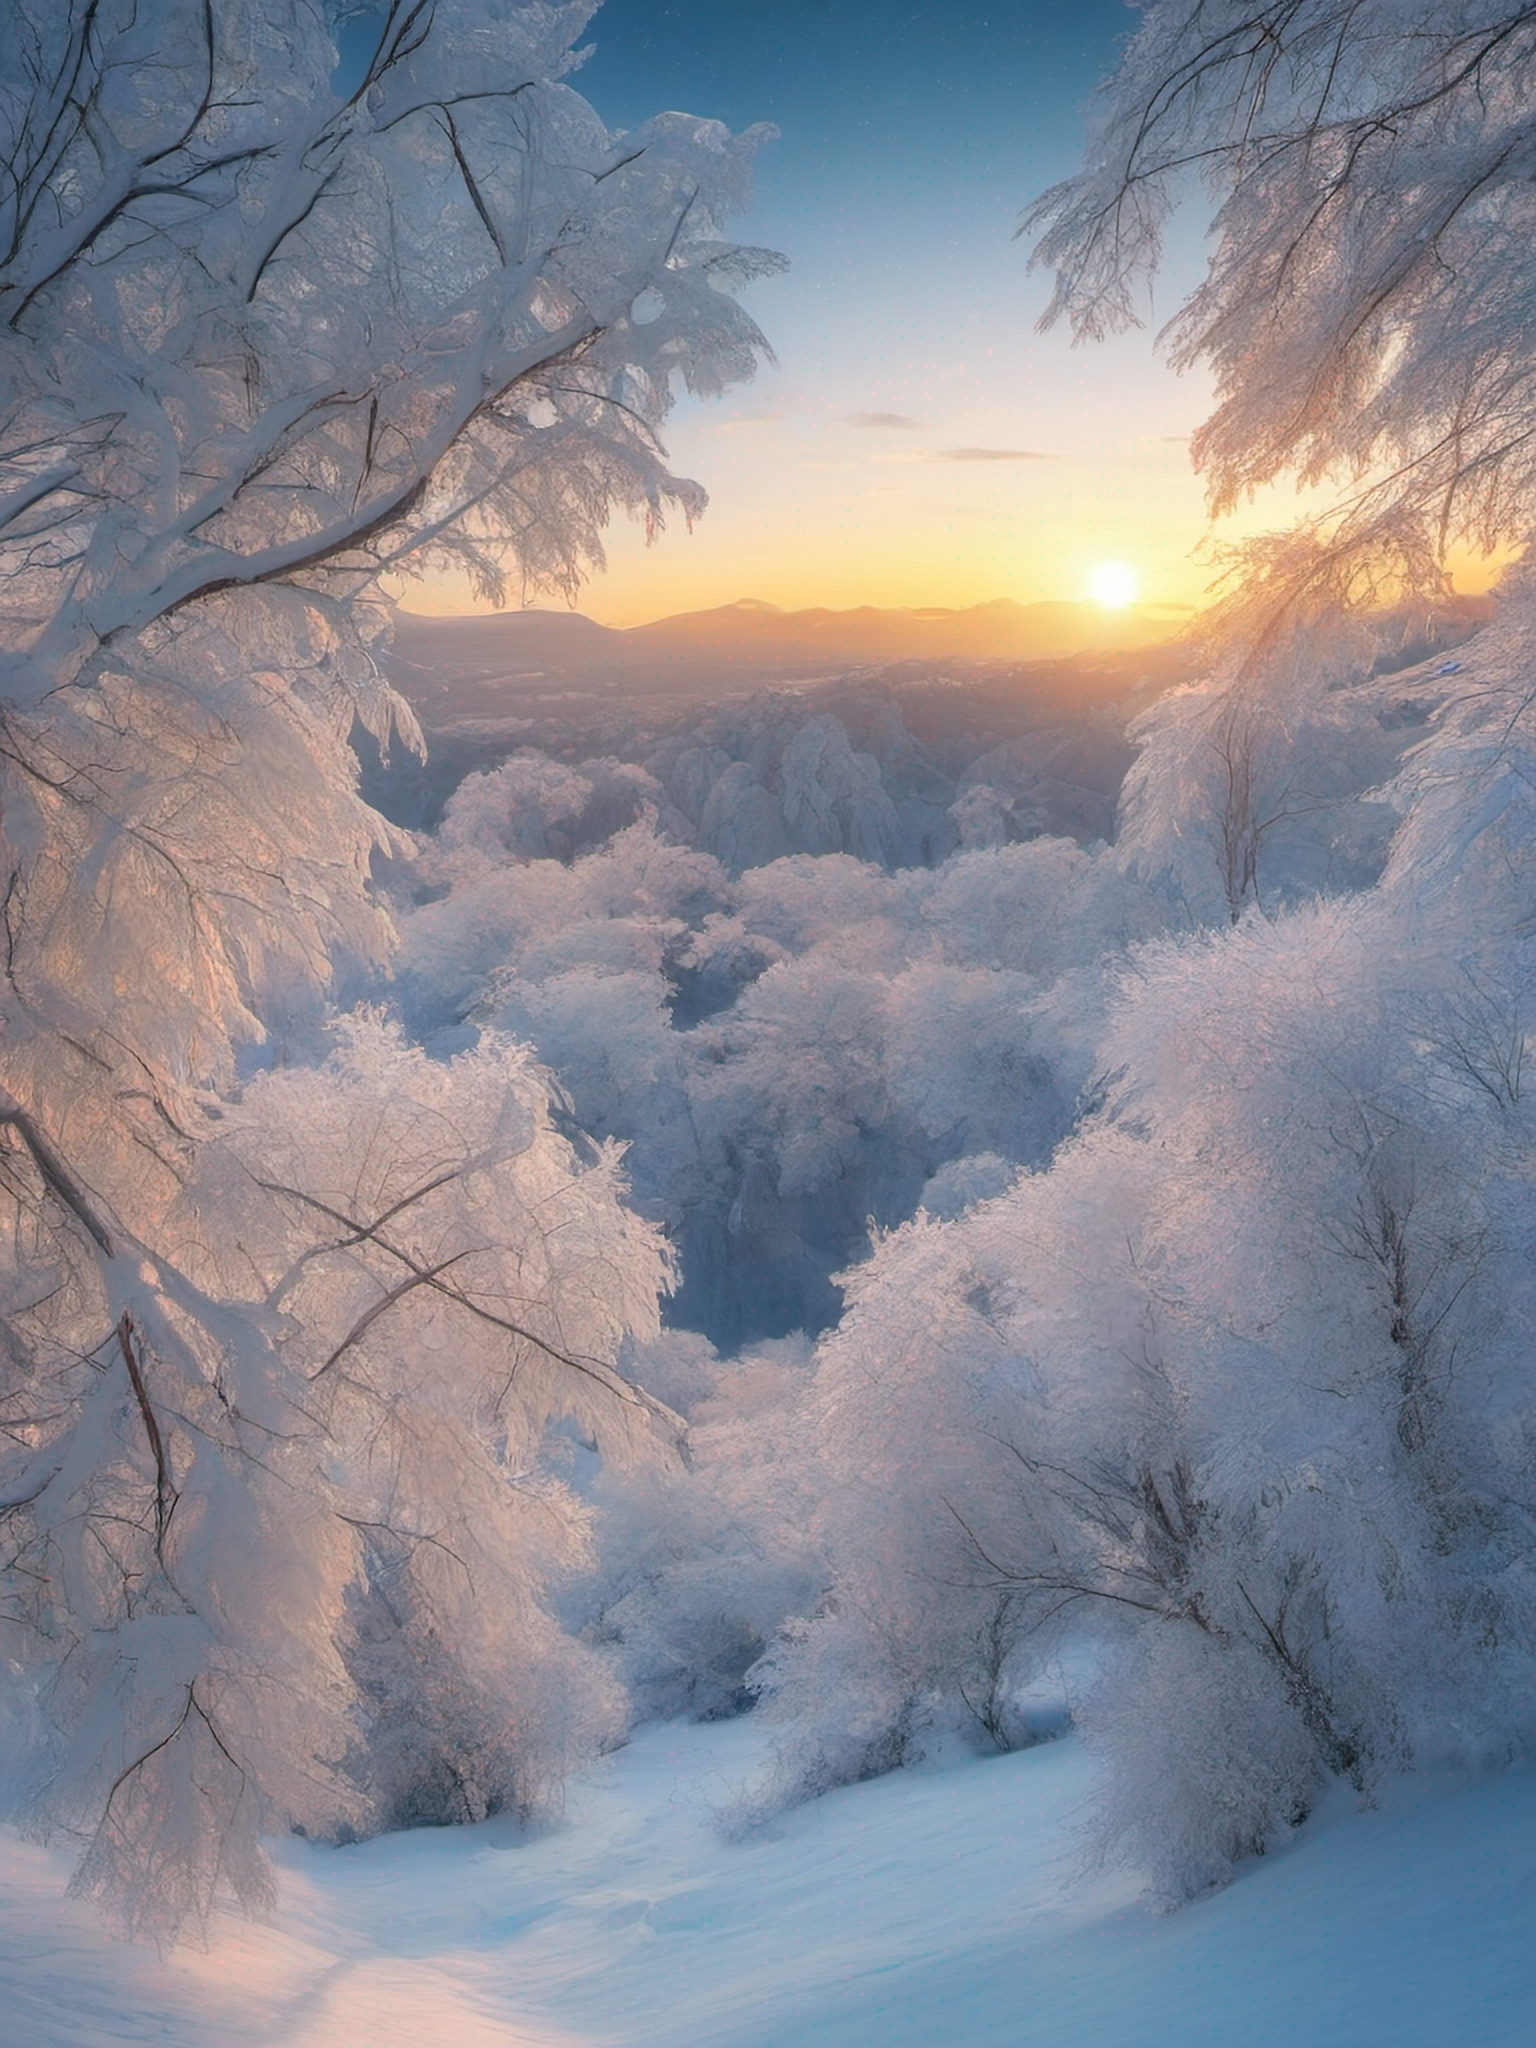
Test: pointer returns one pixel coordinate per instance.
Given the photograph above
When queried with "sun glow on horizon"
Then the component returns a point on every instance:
(1114, 585)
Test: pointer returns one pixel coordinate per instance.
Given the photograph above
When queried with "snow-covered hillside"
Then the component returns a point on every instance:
(1085, 1150)
(942, 1906)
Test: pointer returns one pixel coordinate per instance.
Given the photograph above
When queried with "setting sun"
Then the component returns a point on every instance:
(1114, 585)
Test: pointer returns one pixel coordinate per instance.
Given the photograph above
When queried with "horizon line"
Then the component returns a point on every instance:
(1159, 608)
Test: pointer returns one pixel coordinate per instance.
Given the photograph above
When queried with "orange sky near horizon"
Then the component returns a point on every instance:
(917, 441)
(803, 519)
(1009, 476)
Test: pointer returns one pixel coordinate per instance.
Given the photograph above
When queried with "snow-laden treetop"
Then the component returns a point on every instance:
(253, 330)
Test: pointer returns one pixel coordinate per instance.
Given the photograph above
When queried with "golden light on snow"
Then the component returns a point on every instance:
(1114, 585)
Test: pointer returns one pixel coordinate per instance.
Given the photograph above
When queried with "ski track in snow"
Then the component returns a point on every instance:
(938, 1908)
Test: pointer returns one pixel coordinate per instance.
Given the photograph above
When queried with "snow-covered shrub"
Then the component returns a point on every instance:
(907, 1431)
(701, 1562)
(1330, 1108)
(297, 1499)
(1238, 1383)
(501, 920)
(524, 809)
(794, 1052)
(1261, 784)
(774, 777)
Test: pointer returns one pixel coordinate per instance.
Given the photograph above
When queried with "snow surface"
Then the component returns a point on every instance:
(938, 1906)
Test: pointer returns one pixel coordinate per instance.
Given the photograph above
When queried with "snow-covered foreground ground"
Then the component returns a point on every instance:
(933, 1909)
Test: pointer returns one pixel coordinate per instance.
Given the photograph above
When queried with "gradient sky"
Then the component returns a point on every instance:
(918, 441)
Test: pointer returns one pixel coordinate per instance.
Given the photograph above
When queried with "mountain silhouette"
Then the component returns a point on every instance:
(475, 661)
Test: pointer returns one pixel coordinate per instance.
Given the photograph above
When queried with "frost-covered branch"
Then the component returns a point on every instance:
(1367, 307)
(280, 1529)
(291, 309)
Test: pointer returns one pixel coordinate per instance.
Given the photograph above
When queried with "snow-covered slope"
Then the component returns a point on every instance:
(941, 1908)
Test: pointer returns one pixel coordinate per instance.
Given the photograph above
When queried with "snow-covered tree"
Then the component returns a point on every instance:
(789, 1054)
(254, 331)
(285, 1552)
(279, 1362)
(701, 1562)
(1367, 305)
(1236, 1389)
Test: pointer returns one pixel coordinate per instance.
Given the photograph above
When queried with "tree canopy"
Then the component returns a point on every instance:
(1367, 304)
(264, 1561)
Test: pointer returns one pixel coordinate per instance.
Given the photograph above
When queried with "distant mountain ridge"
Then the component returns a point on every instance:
(999, 630)
(754, 636)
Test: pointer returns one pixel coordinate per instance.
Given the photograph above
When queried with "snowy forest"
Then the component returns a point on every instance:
(781, 1221)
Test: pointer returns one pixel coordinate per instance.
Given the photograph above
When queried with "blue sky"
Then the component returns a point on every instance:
(918, 442)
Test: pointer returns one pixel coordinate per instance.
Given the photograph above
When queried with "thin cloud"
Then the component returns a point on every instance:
(991, 455)
(888, 422)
